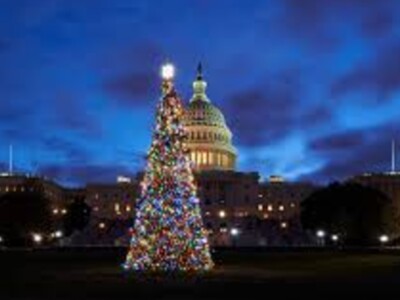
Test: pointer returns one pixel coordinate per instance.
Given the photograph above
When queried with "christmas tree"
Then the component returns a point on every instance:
(168, 233)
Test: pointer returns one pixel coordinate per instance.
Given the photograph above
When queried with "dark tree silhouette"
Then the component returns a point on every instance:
(357, 213)
(22, 214)
(78, 216)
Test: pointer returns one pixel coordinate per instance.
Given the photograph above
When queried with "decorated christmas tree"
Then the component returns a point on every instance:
(168, 233)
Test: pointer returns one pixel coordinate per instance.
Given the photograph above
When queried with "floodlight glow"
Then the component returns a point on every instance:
(234, 231)
(37, 238)
(384, 239)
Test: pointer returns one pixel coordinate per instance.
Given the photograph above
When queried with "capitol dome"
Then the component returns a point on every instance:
(209, 138)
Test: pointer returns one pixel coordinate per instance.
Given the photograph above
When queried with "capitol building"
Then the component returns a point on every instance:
(209, 138)
(238, 209)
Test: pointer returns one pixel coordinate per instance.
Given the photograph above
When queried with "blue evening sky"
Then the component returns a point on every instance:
(310, 88)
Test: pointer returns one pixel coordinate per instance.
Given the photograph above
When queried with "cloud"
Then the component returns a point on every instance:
(339, 142)
(350, 153)
(70, 151)
(130, 76)
(272, 111)
(131, 89)
(70, 114)
(75, 175)
(378, 23)
(380, 76)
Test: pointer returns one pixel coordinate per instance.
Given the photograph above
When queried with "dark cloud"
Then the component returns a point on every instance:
(351, 153)
(379, 76)
(70, 151)
(131, 76)
(84, 173)
(341, 142)
(71, 115)
(314, 22)
(378, 23)
(270, 112)
(132, 89)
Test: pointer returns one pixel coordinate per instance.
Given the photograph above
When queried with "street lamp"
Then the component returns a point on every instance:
(383, 239)
(37, 238)
(334, 237)
(321, 235)
(234, 234)
(234, 231)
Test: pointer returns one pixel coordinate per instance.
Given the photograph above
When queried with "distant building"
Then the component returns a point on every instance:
(237, 208)
(387, 183)
(54, 192)
(209, 138)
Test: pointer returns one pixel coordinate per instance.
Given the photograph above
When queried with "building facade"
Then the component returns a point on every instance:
(209, 138)
(237, 208)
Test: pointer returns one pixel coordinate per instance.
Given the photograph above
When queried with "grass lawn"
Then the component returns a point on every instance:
(240, 273)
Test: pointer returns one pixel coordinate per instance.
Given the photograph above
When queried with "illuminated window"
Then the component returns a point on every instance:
(193, 158)
(102, 225)
(281, 208)
(63, 211)
(198, 158)
(204, 154)
(55, 211)
(128, 208)
(96, 208)
(219, 159)
(7, 189)
(266, 216)
(117, 208)
(292, 205)
(208, 213)
(284, 225)
(222, 214)
(224, 160)
(260, 195)
(22, 189)
(96, 196)
(210, 158)
(260, 207)
(270, 208)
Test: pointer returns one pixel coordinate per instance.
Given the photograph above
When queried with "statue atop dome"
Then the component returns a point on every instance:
(199, 71)
(199, 86)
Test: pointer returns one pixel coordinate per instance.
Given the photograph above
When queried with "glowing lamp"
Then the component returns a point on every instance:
(384, 239)
(320, 233)
(234, 231)
(37, 238)
(168, 71)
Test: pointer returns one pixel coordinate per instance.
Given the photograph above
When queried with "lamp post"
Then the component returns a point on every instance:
(321, 237)
(234, 234)
(384, 239)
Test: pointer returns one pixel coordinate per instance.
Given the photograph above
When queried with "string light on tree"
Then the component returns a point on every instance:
(168, 232)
